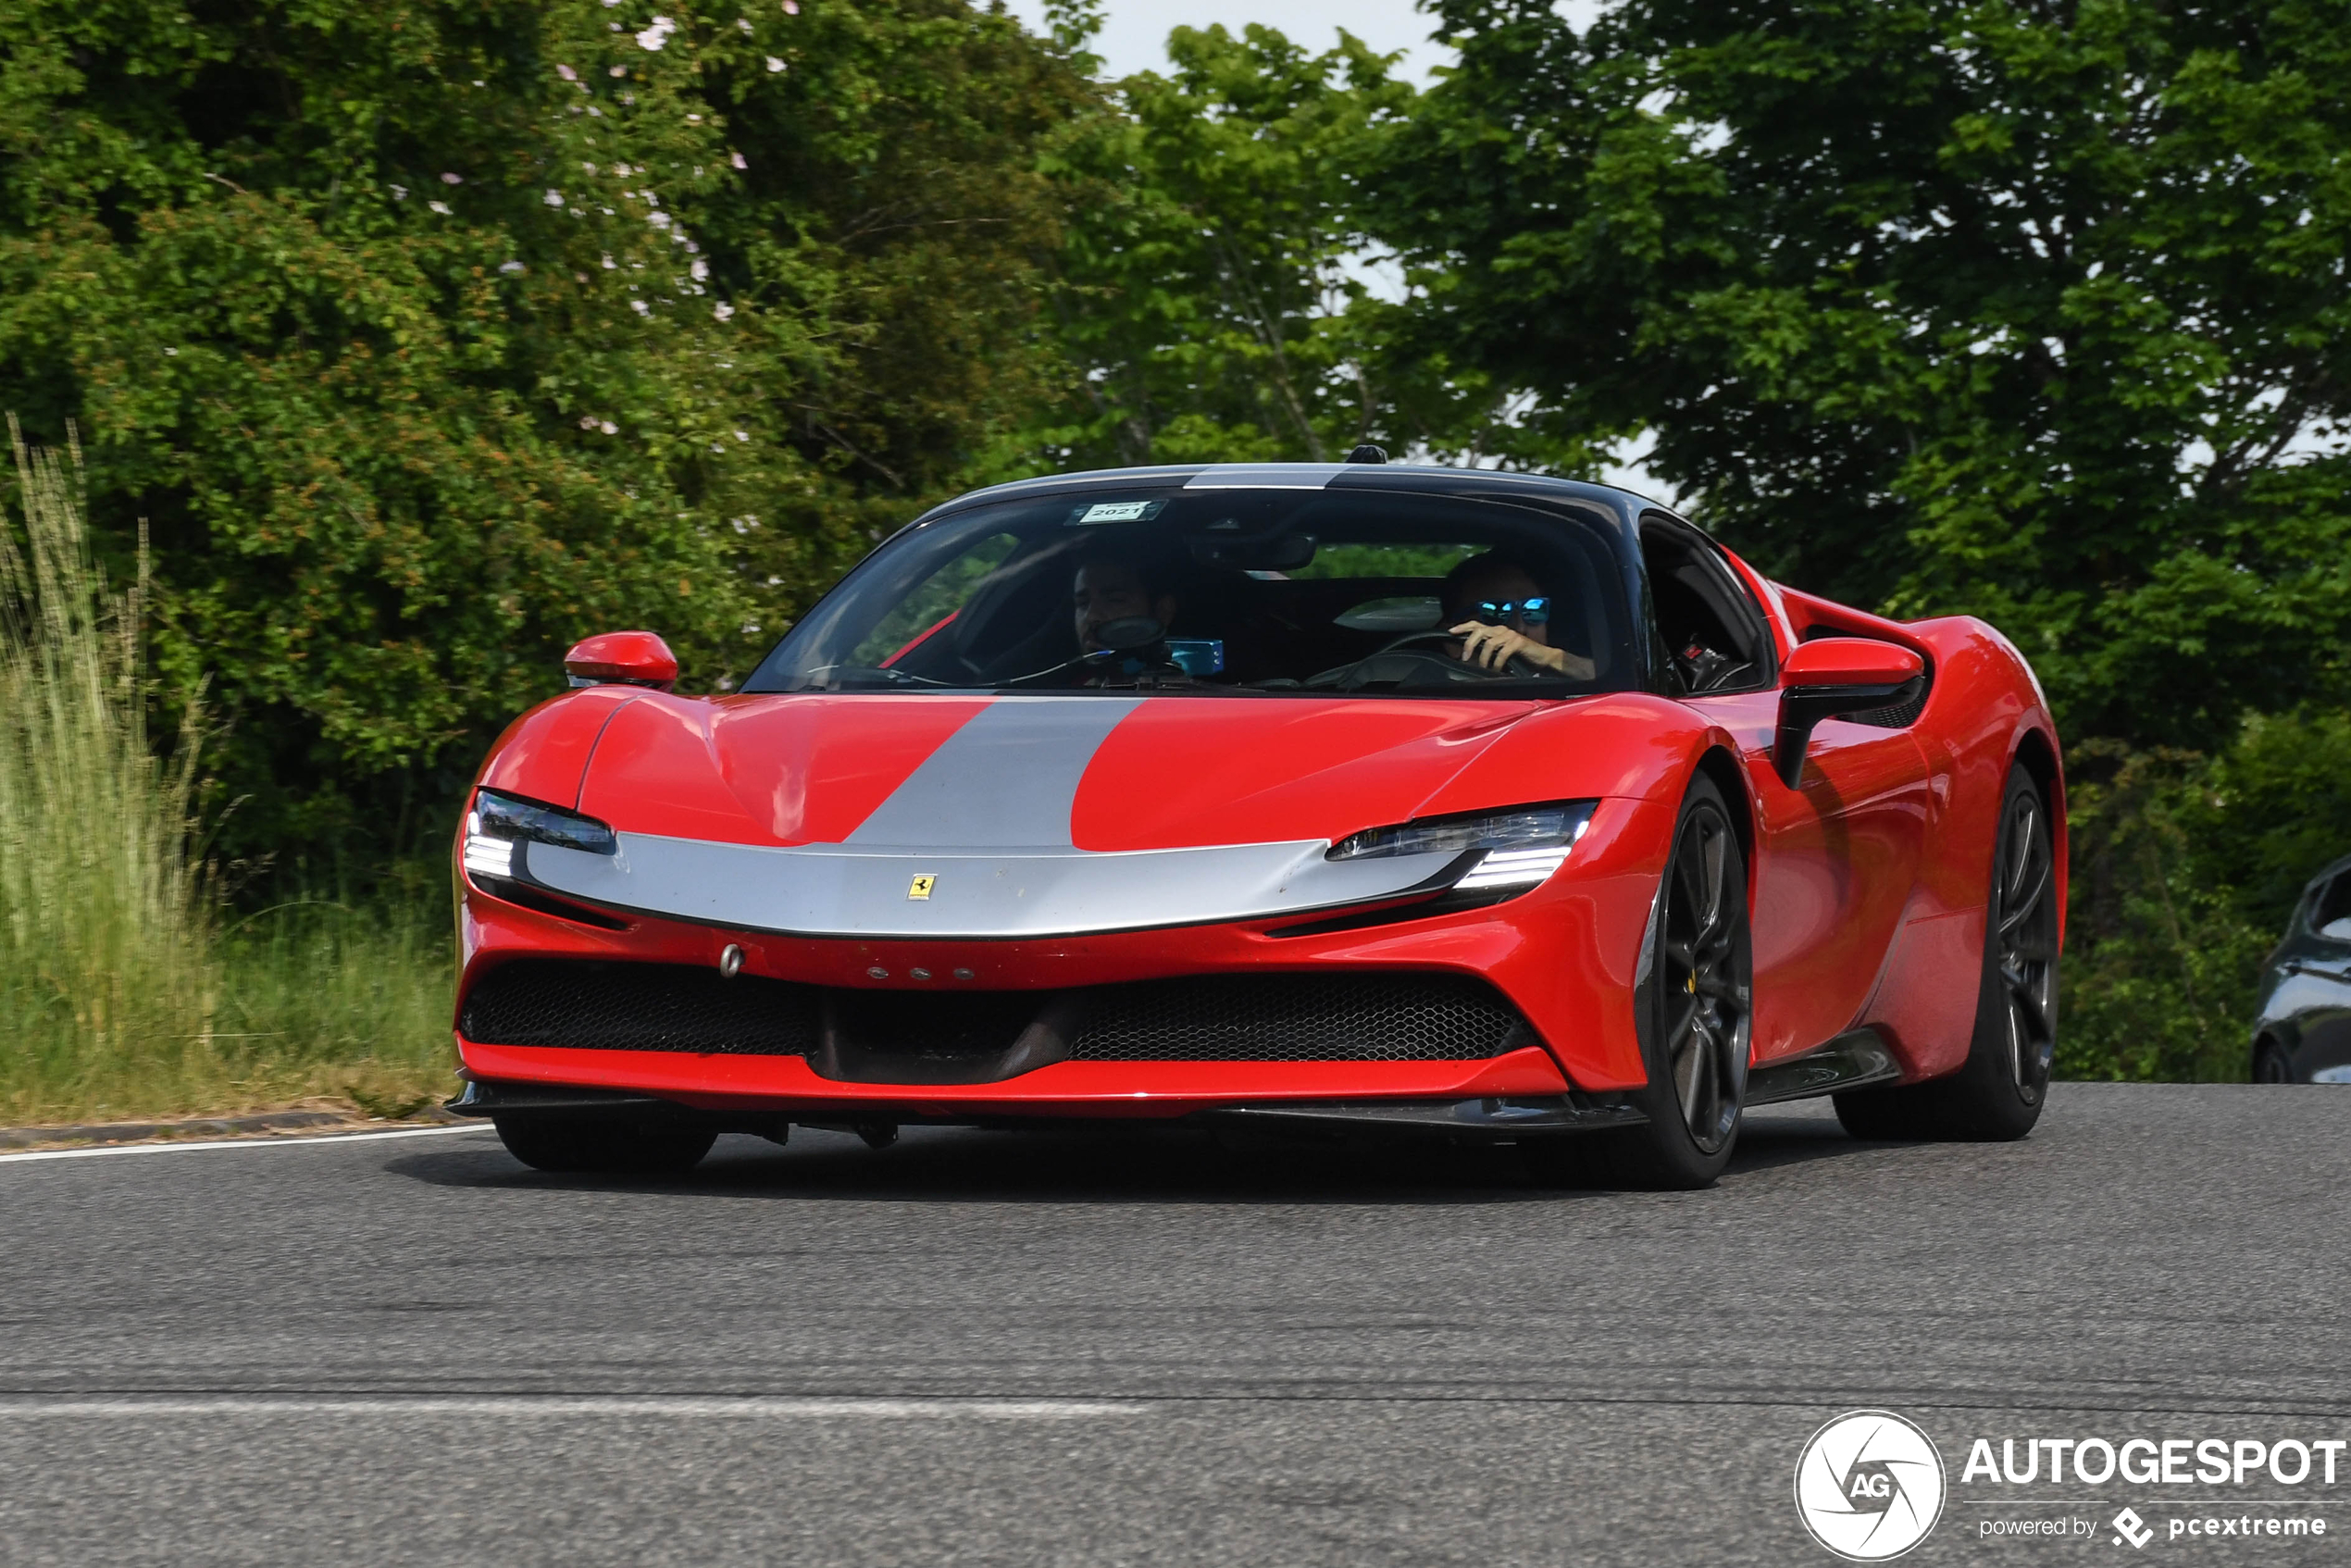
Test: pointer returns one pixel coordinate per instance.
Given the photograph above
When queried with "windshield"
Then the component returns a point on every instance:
(1255, 592)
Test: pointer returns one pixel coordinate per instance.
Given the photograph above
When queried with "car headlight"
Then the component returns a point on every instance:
(498, 822)
(1521, 847)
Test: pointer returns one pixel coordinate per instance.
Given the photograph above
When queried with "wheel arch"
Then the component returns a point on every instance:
(1717, 764)
(2269, 1038)
(2036, 754)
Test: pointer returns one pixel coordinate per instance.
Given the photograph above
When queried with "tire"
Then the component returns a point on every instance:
(2270, 1065)
(604, 1145)
(1998, 1093)
(1694, 1009)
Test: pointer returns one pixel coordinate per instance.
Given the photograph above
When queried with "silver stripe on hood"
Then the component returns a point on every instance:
(1006, 779)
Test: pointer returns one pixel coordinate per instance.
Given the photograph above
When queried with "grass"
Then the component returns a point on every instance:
(335, 1002)
(124, 989)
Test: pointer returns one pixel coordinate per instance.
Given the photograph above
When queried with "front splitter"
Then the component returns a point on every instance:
(786, 1085)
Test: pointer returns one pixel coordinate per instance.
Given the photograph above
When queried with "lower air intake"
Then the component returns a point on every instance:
(902, 1036)
(592, 1006)
(1347, 1017)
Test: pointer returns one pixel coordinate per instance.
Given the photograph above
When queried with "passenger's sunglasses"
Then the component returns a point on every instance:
(1534, 611)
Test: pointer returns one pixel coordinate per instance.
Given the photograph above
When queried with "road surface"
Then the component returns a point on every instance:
(1094, 1349)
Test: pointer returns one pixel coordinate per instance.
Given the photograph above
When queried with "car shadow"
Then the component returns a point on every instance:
(1793, 1135)
(1097, 1164)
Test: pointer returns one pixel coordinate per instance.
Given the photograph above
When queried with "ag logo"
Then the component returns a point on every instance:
(1869, 1485)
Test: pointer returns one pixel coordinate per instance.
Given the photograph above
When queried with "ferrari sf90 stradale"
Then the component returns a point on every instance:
(1361, 795)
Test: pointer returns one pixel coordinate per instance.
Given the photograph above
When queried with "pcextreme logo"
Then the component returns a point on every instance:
(1869, 1485)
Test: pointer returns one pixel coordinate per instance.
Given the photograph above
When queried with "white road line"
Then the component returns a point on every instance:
(617, 1405)
(229, 1143)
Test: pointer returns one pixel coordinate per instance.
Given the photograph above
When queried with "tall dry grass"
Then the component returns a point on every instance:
(105, 936)
(123, 990)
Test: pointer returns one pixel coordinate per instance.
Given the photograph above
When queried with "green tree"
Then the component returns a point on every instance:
(433, 336)
(2033, 310)
(1216, 303)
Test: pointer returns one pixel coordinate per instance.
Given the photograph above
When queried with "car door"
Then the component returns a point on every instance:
(2316, 985)
(1835, 858)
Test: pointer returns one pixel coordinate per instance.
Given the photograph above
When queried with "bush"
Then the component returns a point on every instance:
(120, 991)
(2162, 961)
(2185, 868)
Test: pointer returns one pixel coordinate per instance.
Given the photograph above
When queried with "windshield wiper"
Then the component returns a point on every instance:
(866, 678)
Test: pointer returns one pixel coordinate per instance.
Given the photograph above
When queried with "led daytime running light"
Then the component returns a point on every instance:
(499, 822)
(1521, 848)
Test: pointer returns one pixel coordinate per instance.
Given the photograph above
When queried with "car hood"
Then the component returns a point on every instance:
(1102, 773)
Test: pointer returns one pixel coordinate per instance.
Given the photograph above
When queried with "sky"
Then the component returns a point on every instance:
(1134, 32)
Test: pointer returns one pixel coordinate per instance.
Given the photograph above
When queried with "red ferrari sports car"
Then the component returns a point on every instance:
(1360, 795)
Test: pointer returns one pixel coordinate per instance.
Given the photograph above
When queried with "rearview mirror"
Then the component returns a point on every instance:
(1831, 679)
(622, 658)
(1262, 553)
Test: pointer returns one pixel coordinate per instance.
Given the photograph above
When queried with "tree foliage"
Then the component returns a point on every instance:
(433, 336)
(2034, 310)
(1219, 296)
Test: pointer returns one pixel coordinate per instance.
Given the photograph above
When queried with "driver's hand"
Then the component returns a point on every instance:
(1491, 647)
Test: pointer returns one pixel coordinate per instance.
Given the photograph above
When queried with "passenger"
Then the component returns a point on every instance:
(1502, 613)
(1112, 589)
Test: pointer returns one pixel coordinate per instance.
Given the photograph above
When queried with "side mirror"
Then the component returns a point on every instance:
(1832, 677)
(622, 658)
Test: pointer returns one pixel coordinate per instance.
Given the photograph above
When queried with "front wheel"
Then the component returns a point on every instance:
(1693, 1006)
(1998, 1093)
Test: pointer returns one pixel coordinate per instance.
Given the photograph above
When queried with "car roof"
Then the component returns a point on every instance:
(1427, 478)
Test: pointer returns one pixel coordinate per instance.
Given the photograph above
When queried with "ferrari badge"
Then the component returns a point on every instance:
(920, 888)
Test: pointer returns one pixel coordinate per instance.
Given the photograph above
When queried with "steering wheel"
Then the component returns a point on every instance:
(1406, 659)
(1704, 669)
(1516, 665)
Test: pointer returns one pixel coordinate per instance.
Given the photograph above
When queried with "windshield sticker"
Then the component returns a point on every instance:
(1116, 512)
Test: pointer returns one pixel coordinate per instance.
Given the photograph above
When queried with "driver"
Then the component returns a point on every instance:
(1503, 614)
(1110, 589)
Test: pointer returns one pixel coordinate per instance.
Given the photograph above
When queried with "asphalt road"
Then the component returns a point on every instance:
(1096, 1348)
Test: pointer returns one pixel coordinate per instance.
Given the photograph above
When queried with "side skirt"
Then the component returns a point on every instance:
(1489, 1118)
(1848, 1062)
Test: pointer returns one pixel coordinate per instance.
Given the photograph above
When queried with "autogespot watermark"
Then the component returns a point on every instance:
(1871, 1484)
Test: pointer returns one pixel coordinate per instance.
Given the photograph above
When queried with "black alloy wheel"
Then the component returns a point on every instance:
(2270, 1065)
(1694, 1012)
(2024, 932)
(1997, 1092)
(1705, 988)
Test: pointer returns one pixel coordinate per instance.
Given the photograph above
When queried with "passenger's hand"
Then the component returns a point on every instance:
(1491, 647)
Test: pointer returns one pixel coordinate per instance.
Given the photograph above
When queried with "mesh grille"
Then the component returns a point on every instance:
(592, 1006)
(1355, 1017)
(1901, 716)
(1352, 1017)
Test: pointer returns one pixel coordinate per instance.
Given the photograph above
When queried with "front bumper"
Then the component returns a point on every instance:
(1565, 956)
